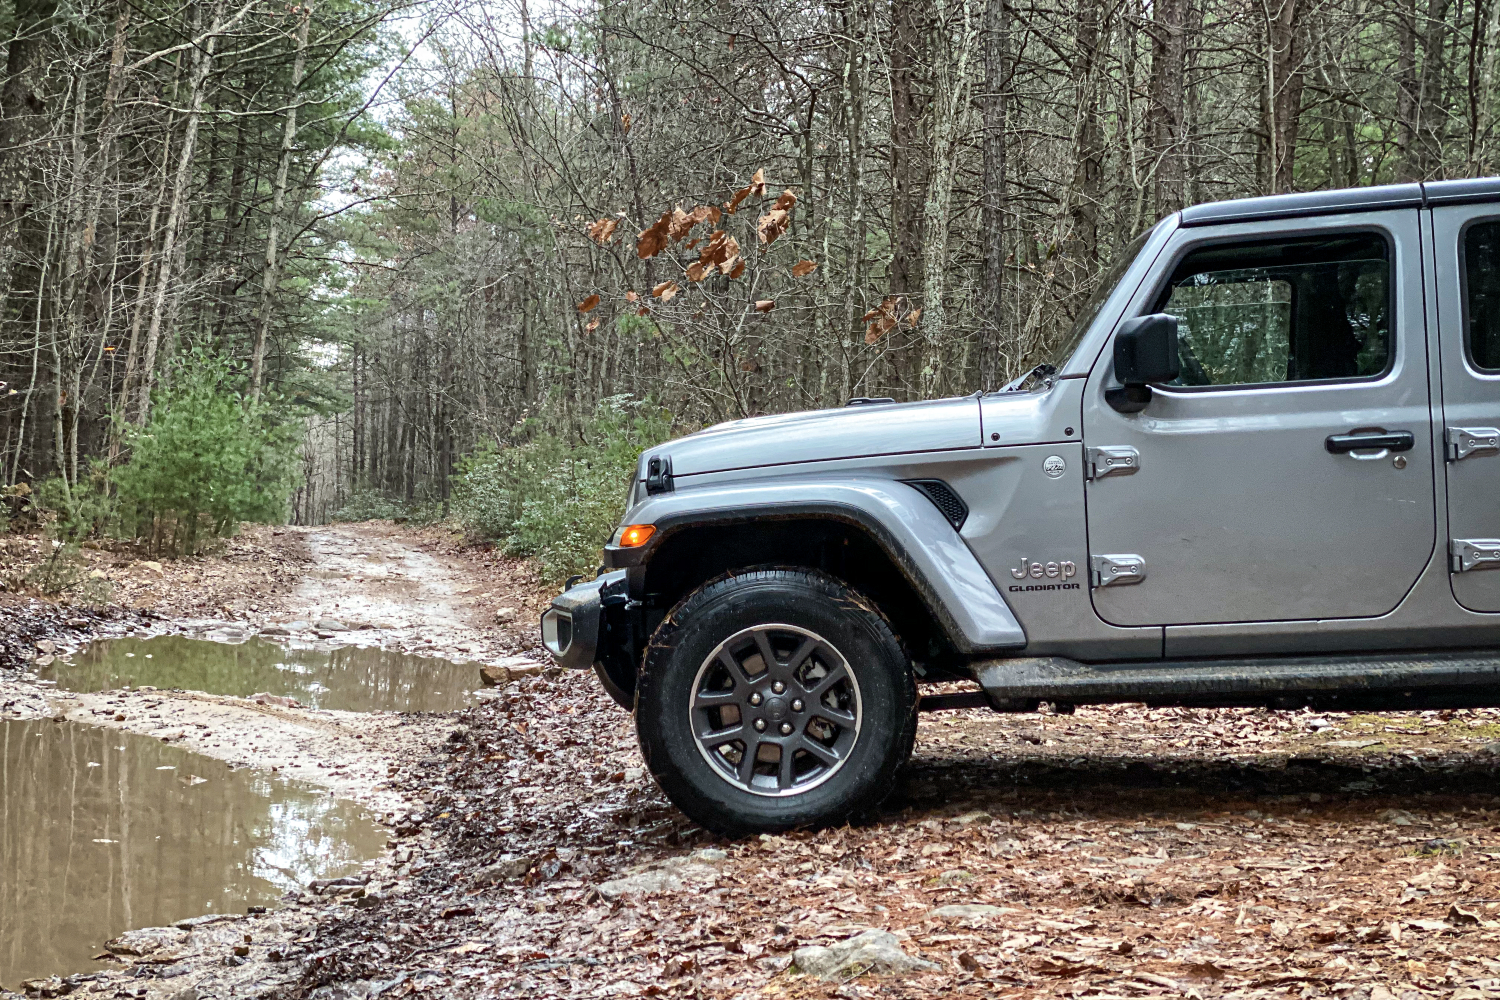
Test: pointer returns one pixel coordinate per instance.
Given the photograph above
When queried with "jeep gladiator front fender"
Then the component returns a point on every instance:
(904, 523)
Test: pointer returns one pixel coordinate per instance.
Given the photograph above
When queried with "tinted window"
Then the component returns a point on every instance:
(1482, 294)
(1294, 311)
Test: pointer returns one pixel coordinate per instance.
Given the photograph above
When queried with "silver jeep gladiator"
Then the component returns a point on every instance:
(1263, 469)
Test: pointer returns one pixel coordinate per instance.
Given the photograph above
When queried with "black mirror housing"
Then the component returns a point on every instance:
(1146, 350)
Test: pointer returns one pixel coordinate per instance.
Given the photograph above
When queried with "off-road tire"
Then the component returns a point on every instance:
(814, 604)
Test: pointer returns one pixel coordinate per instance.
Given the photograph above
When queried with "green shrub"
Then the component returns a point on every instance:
(368, 505)
(556, 500)
(207, 460)
(65, 571)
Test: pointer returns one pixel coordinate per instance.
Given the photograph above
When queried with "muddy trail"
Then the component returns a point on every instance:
(525, 852)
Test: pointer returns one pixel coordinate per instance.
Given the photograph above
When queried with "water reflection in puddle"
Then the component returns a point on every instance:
(103, 831)
(359, 680)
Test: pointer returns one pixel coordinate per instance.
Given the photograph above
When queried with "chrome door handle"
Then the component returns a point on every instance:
(1343, 444)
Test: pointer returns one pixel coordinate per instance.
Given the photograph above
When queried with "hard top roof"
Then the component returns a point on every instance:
(1365, 199)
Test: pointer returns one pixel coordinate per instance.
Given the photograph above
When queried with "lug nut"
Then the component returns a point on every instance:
(778, 687)
(760, 725)
(755, 699)
(786, 729)
(796, 704)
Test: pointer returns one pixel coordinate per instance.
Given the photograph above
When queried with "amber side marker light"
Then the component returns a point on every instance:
(633, 536)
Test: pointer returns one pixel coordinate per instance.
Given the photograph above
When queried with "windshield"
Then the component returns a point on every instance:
(1065, 348)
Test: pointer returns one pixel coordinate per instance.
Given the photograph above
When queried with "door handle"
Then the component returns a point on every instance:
(1342, 444)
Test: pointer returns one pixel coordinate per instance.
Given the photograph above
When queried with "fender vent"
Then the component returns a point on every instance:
(943, 498)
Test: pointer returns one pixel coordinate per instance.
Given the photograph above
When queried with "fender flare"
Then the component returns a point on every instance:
(911, 531)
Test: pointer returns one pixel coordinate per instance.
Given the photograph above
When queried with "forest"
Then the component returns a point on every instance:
(452, 259)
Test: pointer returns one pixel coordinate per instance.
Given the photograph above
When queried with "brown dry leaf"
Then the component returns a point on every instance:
(625, 122)
(588, 304)
(739, 269)
(878, 329)
(631, 296)
(765, 305)
(653, 240)
(803, 268)
(681, 223)
(592, 325)
(602, 231)
(643, 311)
(912, 317)
(758, 184)
(786, 202)
(772, 225)
(696, 271)
(734, 200)
(665, 290)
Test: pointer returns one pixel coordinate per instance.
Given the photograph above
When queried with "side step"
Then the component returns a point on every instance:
(1328, 683)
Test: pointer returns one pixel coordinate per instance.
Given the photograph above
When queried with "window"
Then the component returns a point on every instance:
(1482, 294)
(1291, 311)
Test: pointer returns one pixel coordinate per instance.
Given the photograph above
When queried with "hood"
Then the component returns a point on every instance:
(820, 435)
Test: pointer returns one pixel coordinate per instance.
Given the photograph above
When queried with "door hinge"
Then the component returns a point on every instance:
(1117, 570)
(1466, 441)
(1115, 460)
(1474, 553)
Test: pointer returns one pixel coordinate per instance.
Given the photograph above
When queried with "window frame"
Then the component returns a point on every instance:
(1163, 291)
(1463, 289)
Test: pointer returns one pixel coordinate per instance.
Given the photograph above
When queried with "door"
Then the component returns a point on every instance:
(1466, 240)
(1243, 491)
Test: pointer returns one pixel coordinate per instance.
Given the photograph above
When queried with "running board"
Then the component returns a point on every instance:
(1328, 683)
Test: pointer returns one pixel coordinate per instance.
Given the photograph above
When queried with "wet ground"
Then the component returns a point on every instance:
(350, 678)
(103, 831)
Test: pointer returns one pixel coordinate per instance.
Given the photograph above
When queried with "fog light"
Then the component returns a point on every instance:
(633, 536)
(557, 631)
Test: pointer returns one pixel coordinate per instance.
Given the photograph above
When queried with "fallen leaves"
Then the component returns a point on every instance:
(589, 304)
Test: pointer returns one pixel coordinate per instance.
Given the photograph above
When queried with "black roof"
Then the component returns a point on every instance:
(1366, 199)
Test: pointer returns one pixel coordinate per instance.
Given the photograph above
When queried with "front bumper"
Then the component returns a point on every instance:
(586, 628)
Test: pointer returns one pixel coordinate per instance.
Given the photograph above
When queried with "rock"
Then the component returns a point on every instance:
(275, 630)
(634, 773)
(871, 951)
(45, 660)
(695, 871)
(330, 625)
(1490, 748)
(1398, 817)
(191, 993)
(153, 566)
(266, 698)
(503, 869)
(79, 623)
(1459, 917)
(970, 911)
(144, 942)
(46, 646)
(98, 574)
(955, 876)
(973, 818)
(494, 676)
(505, 615)
(319, 884)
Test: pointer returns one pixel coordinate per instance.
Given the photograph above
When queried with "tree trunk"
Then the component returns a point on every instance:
(1165, 117)
(1281, 96)
(995, 357)
(278, 206)
(202, 64)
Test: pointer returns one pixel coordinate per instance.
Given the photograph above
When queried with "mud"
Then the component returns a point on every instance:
(352, 678)
(101, 832)
(366, 588)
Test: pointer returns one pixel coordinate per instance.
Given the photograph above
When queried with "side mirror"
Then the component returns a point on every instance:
(1145, 352)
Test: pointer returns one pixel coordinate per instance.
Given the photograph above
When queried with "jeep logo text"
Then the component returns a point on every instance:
(1053, 570)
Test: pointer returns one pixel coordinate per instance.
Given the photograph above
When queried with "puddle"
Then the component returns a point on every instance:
(103, 831)
(357, 680)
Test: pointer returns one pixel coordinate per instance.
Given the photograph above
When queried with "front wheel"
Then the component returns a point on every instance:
(775, 699)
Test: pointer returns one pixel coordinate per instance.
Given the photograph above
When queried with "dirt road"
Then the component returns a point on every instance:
(1115, 852)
